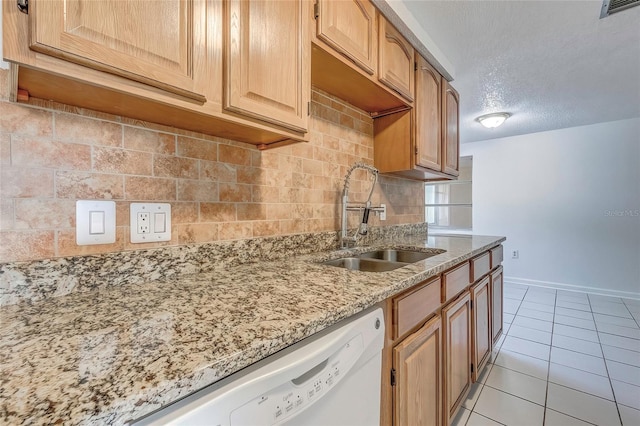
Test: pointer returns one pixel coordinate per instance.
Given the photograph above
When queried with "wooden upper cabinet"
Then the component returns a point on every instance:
(450, 127)
(349, 27)
(267, 61)
(428, 136)
(418, 364)
(396, 64)
(107, 35)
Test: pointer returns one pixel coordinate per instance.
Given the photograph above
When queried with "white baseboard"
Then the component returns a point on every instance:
(571, 287)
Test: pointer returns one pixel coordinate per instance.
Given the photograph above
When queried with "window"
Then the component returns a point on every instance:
(448, 205)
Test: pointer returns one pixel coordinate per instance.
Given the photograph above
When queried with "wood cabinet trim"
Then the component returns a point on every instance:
(481, 341)
(386, 75)
(450, 130)
(366, 60)
(453, 397)
(49, 36)
(479, 266)
(455, 281)
(412, 308)
(429, 387)
(497, 303)
(254, 95)
(497, 256)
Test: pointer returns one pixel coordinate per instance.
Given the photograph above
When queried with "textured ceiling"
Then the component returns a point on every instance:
(551, 64)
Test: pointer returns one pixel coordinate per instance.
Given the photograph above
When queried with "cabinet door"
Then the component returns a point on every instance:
(418, 364)
(158, 43)
(456, 320)
(428, 138)
(450, 127)
(481, 338)
(267, 61)
(496, 304)
(348, 26)
(396, 65)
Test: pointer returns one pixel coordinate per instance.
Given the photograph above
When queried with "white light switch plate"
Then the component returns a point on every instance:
(95, 222)
(150, 222)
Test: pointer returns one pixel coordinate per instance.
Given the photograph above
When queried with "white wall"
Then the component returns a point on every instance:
(568, 200)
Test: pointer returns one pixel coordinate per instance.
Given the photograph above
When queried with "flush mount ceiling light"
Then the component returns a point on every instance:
(491, 121)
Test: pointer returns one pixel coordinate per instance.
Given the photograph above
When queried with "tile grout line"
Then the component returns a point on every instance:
(606, 367)
(546, 394)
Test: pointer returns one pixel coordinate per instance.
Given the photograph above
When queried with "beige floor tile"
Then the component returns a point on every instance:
(476, 419)
(626, 394)
(578, 333)
(553, 418)
(523, 363)
(518, 384)
(580, 380)
(526, 347)
(508, 409)
(624, 356)
(630, 416)
(624, 372)
(578, 360)
(530, 334)
(577, 345)
(574, 313)
(582, 406)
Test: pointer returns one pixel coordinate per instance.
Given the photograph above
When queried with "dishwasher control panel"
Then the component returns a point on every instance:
(288, 399)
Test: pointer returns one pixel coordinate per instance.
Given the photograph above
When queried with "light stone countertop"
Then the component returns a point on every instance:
(112, 355)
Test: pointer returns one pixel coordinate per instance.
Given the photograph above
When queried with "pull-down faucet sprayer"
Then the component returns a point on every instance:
(365, 207)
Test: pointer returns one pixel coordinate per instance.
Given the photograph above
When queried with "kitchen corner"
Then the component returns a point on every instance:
(111, 354)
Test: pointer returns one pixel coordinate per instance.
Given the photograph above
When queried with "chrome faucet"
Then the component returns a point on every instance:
(345, 239)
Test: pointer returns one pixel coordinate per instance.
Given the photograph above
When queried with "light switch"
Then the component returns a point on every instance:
(95, 222)
(160, 222)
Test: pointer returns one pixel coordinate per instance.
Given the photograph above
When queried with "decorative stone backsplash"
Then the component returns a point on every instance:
(52, 155)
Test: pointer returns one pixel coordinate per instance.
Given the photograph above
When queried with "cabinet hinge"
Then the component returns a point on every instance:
(308, 108)
(316, 11)
(393, 377)
(23, 6)
(472, 368)
(415, 66)
(471, 304)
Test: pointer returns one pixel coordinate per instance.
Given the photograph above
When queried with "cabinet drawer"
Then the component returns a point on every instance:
(414, 307)
(497, 256)
(480, 266)
(454, 281)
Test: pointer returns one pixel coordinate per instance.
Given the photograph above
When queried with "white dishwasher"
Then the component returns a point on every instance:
(332, 378)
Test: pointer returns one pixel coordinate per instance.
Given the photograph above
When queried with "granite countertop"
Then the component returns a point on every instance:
(112, 355)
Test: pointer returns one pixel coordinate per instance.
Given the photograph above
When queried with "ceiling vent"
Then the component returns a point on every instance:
(613, 6)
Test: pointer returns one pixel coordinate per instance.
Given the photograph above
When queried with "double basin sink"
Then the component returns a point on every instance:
(382, 260)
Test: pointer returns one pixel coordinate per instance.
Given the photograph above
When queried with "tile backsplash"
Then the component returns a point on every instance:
(52, 155)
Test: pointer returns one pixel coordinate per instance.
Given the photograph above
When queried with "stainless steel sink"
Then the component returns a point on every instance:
(382, 260)
(363, 264)
(404, 256)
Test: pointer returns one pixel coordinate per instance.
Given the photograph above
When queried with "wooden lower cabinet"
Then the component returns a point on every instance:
(456, 331)
(496, 304)
(417, 362)
(480, 326)
(439, 338)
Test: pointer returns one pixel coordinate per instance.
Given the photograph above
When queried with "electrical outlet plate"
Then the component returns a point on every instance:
(150, 222)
